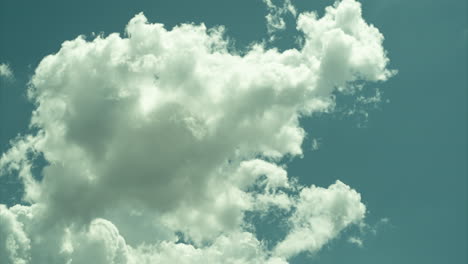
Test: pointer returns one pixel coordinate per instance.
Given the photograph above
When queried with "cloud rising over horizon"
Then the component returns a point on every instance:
(160, 142)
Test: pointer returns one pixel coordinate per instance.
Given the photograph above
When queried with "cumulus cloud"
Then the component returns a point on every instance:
(14, 242)
(320, 215)
(158, 143)
(5, 71)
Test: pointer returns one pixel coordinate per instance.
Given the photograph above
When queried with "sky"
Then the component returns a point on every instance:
(269, 135)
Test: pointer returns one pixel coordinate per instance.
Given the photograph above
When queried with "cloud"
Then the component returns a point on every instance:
(320, 215)
(356, 240)
(274, 18)
(5, 71)
(14, 242)
(159, 142)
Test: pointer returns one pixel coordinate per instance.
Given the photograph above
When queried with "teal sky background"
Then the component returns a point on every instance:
(408, 161)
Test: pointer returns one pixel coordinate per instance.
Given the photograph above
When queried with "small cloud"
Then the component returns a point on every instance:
(371, 100)
(355, 240)
(5, 71)
(384, 220)
(316, 143)
(379, 225)
(275, 20)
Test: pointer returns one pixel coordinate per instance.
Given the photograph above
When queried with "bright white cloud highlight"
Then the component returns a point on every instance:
(160, 142)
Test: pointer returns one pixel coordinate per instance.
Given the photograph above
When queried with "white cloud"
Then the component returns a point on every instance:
(320, 215)
(158, 144)
(316, 143)
(5, 71)
(356, 240)
(14, 243)
(275, 17)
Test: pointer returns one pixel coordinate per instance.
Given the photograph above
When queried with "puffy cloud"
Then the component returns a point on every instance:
(158, 143)
(14, 243)
(240, 247)
(101, 243)
(320, 215)
(5, 71)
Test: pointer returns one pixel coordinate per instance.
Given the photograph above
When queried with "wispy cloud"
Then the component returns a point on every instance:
(276, 13)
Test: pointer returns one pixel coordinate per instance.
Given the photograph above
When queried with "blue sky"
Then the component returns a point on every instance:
(405, 155)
